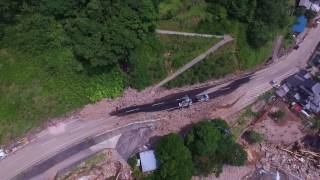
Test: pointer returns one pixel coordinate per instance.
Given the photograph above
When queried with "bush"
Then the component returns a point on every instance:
(316, 122)
(238, 155)
(310, 14)
(132, 161)
(300, 11)
(277, 115)
(253, 137)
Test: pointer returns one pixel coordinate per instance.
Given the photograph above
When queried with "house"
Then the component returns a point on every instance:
(300, 25)
(302, 89)
(311, 4)
(315, 59)
(148, 161)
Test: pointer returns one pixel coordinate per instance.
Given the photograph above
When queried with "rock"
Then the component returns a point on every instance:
(266, 167)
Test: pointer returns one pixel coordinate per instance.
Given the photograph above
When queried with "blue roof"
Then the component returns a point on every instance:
(300, 25)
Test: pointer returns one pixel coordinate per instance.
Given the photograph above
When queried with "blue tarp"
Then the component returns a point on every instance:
(300, 25)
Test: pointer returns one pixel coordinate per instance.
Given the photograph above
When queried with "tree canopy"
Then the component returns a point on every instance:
(101, 33)
(212, 146)
(174, 158)
(262, 17)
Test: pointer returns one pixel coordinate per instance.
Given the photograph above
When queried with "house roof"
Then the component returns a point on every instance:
(300, 25)
(316, 60)
(311, 4)
(302, 78)
(148, 161)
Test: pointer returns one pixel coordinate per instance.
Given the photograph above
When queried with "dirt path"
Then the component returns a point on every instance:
(160, 31)
(196, 60)
(276, 48)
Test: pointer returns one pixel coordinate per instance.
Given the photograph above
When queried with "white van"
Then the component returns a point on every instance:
(2, 154)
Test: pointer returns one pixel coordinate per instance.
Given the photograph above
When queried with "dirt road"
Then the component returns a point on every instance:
(160, 31)
(55, 139)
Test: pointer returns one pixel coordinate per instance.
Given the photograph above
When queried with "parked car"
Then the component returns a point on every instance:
(202, 97)
(274, 84)
(186, 102)
(2, 154)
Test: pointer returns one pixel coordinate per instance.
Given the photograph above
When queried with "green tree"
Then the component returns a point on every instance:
(174, 158)
(8, 9)
(212, 146)
(105, 33)
(299, 11)
(310, 14)
(258, 34)
(202, 141)
(272, 12)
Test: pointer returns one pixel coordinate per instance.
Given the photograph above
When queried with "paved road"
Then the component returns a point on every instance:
(48, 144)
(196, 60)
(160, 31)
(173, 102)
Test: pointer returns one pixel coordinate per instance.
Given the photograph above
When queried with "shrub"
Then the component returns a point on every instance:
(277, 115)
(132, 161)
(253, 137)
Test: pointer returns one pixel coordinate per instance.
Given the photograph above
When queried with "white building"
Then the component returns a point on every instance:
(148, 161)
(311, 4)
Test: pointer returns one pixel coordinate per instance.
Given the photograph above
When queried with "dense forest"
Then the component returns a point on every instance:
(56, 56)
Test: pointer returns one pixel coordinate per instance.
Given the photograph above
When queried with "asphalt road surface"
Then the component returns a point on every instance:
(173, 102)
(47, 144)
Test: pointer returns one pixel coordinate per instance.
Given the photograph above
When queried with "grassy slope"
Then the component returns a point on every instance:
(176, 16)
(179, 50)
(35, 89)
(240, 53)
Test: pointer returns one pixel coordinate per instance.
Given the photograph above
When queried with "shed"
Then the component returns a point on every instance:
(300, 25)
(148, 161)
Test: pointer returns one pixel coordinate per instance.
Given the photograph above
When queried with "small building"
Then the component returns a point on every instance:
(300, 25)
(148, 161)
(313, 5)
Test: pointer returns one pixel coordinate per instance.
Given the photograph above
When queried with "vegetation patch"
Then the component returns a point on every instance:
(206, 147)
(179, 50)
(253, 23)
(243, 121)
(215, 65)
(57, 56)
(277, 115)
(253, 137)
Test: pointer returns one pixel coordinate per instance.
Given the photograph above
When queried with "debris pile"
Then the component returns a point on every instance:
(295, 160)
